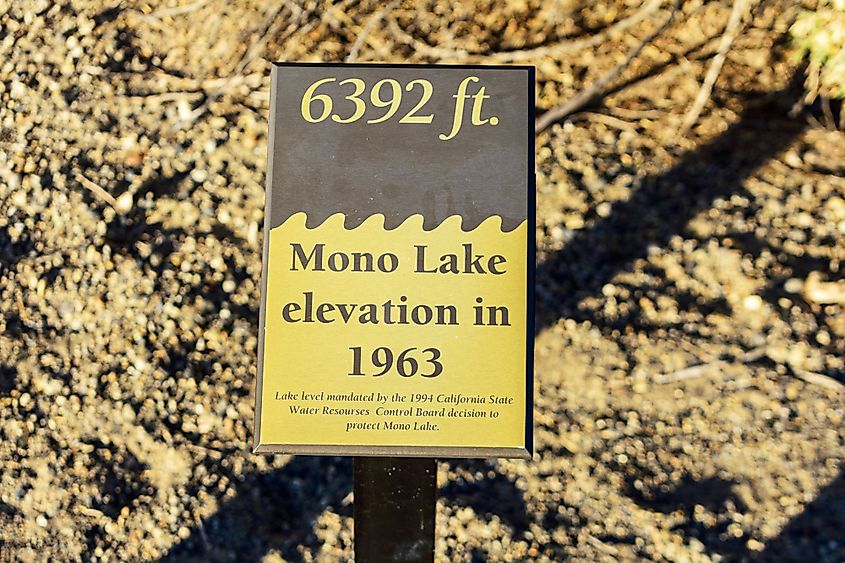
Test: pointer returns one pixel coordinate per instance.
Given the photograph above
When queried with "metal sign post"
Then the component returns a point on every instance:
(394, 509)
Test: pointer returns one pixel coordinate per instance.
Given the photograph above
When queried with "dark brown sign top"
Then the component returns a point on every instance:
(399, 141)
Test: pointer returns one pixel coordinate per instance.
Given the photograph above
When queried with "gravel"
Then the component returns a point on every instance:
(133, 142)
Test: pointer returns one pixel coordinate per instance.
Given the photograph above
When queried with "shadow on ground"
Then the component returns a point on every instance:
(278, 510)
(822, 518)
(275, 510)
(659, 209)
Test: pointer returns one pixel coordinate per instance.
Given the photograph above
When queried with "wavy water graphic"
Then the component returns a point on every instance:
(413, 222)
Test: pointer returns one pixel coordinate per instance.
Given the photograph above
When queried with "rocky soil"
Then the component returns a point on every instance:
(690, 352)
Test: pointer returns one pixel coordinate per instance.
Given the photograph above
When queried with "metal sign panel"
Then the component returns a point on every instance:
(397, 285)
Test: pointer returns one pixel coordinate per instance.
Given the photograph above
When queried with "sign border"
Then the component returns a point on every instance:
(524, 452)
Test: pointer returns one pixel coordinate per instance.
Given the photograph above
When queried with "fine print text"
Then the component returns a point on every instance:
(401, 412)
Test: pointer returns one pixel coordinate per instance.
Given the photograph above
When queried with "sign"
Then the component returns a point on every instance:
(396, 314)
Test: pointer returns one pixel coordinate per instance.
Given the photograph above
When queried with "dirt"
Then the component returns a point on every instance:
(689, 402)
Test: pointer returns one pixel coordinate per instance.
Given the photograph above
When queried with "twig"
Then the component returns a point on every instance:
(176, 10)
(422, 48)
(524, 55)
(601, 546)
(98, 191)
(162, 96)
(206, 545)
(586, 96)
(269, 27)
(49, 255)
(608, 120)
(637, 113)
(614, 30)
(697, 351)
(841, 119)
(690, 372)
(248, 56)
(90, 512)
(819, 379)
(371, 24)
(817, 291)
(753, 355)
(253, 49)
(213, 453)
(715, 69)
(829, 120)
(699, 370)
(820, 174)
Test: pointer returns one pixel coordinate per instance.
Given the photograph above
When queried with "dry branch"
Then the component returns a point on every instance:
(598, 87)
(424, 49)
(365, 33)
(300, 22)
(608, 120)
(819, 379)
(753, 355)
(611, 32)
(268, 27)
(524, 55)
(121, 205)
(690, 372)
(728, 37)
(258, 43)
(176, 10)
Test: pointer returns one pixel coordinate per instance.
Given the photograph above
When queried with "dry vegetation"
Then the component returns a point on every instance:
(819, 36)
(690, 331)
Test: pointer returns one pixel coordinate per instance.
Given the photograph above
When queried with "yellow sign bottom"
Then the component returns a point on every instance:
(394, 341)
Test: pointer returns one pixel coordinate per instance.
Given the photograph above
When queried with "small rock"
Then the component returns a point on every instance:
(793, 285)
(792, 159)
(752, 302)
(124, 202)
(603, 209)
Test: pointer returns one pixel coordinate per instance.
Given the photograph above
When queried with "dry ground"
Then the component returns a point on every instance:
(688, 362)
